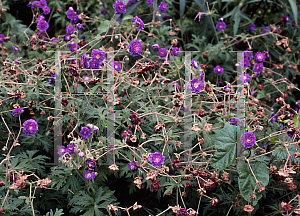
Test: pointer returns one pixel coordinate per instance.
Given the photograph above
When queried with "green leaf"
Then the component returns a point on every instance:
(247, 181)
(296, 121)
(103, 26)
(225, 144)
(294, 10)
(128, 17)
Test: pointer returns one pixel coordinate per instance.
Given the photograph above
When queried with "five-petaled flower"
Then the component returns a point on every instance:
(120, 7)
(156, 159)
(30, 127)
(196, 85)
(248, 139)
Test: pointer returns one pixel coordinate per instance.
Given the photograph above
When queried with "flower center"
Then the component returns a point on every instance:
(196, 85)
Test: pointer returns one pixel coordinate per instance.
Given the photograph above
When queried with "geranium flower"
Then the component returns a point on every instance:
(70, 149)
(91, 164)
(30, 127)
(89, 175)
(61, 151)
(162, 52)
(155, 46)
(163, 7)
(17, 112)
(79, 27)
(42, 3)
(245, 78)
(84, 62)
(195, 65)
(149, 2)
(137, 21)
(133, 166)
(248, 139)
(258, 67)
(266, 30)
(156, 159)
(235, 121)
(218, 70)
(221, 26)
(98, 54)
(175, 51)
(120, 7)
(85, 133)
(70, 29)
(117, 66)
(260, 57)
(273, 117)
(246, 63)
(42, 25)
(135, 48)
(46, 10)
(196, 85)
(251, 27)
(248, 55)
(2, 37)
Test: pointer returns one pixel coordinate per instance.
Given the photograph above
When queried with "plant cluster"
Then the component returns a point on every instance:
(153, 108)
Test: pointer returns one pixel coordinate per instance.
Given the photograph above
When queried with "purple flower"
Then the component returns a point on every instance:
(51, 79)
(35, 4)
(40, 17)
(196, 85)
(227, 88)
(155, 47)
(15, 49)
(86, 78)
(175, 51)
(70, 29)
(42, 3)
(221, 26)
(61, 151)
(156, 159)
(265, 30)
(104, 12)
(17, 112)
(135, 48)
(91, 164)
(46, 10)
(258, 67)
(163, 7)
(89, 175)
(84, 61)
(99, 55)
(248, 139)
(248, 55)
(120, 7)
(79, 27)
(126, 135)
(29, 4)
(298, 103)
(118, 19)
(133, 166)
(85, 133)
(286, 19)
(70, 149)
(74, 19)
(30, 127)
(251, 27)
(273, 117)
(71, 13)
(245, 78)
(246, 63)
(176, 86)
(201, 76)
(195, 65)
(117, 66)
(138, 22)
(260, 57)
(235, 121)
(149, 2)
(182, 212)
(2, 37)
(74, 47)
(42, 25)
(81, 154)
(67, 38)
(162, 52)
(218, 70)
(94, 64)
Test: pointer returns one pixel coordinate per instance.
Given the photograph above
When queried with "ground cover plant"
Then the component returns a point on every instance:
(149, 107)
